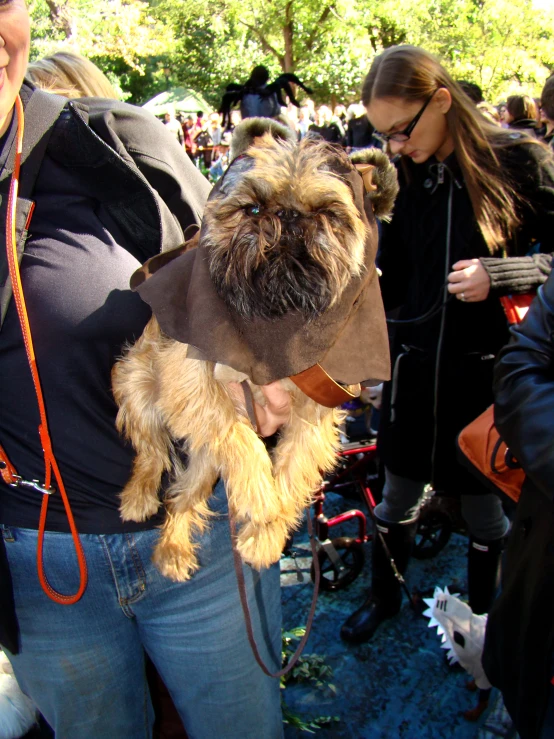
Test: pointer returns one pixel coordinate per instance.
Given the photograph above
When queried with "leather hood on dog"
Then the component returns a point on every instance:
(349, 340)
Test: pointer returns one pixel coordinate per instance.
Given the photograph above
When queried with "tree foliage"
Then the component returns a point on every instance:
(146, 46)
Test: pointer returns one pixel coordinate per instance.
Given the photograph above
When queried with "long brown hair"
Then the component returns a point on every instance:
(413, 74)
(521, 106)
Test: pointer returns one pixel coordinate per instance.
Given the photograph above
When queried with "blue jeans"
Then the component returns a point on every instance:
(84, 664)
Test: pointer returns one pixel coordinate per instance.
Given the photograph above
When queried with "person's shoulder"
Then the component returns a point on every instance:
(117, 110)
(517, 147)
(529, 163)
(138, 130)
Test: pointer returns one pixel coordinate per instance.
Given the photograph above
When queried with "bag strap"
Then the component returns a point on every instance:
(50, 463)
(43, 110)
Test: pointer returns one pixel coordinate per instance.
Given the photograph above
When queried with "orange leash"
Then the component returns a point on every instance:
(50, 465)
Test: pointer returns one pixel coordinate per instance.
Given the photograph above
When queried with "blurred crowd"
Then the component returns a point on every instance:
(207, 141)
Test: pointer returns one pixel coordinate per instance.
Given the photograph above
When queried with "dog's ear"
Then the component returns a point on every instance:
(232, 175)
(382, 180)
(250, 129)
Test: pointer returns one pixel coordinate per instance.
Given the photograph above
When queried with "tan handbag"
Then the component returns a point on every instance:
(486, 454)
(482, 448)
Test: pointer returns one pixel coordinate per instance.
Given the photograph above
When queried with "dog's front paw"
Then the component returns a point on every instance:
(173, 562)
(138, 505)
(261, 545)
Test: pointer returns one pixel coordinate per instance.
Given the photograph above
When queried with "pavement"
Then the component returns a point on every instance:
(397, 685)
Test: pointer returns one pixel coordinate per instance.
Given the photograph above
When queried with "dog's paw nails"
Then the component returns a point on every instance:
(264, 545)
(138, 507)
(175, 571)
(172, 563)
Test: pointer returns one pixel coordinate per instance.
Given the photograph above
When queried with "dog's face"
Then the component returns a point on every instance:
(283, 233)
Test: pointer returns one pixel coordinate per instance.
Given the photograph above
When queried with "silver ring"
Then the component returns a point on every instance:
(462, 297)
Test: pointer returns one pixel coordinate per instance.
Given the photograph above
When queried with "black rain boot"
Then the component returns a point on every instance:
(483, 572)
(385, 597)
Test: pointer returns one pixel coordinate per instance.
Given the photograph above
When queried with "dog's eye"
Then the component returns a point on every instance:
(252, 210)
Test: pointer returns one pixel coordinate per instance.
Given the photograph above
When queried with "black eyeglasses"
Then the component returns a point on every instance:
(407, 132)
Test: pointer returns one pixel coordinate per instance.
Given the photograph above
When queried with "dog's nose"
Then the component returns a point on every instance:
(288, 215)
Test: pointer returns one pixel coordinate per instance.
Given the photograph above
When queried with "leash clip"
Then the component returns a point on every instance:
(33, 484)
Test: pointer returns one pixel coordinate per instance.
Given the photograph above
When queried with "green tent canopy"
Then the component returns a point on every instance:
(177, 100)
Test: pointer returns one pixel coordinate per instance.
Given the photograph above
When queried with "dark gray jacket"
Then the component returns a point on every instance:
(140, 175)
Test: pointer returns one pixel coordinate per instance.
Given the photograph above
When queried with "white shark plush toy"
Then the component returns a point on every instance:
(17, 712)
(462, 632)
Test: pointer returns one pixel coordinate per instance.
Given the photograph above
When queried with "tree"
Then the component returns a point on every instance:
(121, 36)
(149, 45)
(502, 45)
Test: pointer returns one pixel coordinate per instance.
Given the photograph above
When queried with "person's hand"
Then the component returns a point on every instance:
(277, 407)
(469, 281)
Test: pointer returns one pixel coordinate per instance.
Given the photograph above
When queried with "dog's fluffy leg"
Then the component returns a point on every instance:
(199, 407)
(135, 388)
(305, 453)
(247, 470)
(261, 544)
(208, 418)
(187, 517)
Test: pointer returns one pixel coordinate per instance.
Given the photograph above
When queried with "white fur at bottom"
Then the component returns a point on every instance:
(17, 712)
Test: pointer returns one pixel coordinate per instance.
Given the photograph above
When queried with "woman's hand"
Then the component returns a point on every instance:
(469, 281)
(277, 407)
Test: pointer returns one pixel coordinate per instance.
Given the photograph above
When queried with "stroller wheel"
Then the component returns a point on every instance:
(337, 574)
(433, 534)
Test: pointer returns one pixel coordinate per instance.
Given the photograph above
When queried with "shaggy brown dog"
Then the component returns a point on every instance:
(282, 235)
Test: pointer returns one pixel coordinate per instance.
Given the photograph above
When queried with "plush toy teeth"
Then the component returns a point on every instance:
(462, 632)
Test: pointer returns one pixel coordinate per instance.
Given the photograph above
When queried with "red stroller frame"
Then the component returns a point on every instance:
(341, 559)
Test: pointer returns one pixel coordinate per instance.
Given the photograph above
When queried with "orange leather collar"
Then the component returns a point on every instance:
(319, 386)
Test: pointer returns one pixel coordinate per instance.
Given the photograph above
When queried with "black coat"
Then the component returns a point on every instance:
(329, 132)
(520, 630)
(359, 133)
(527, 125)
(442, 367)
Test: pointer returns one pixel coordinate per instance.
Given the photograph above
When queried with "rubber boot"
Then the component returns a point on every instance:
(483, 573)
(385, 597)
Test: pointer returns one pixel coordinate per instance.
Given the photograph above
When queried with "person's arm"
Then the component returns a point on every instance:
(524, 391)
(517, 275)
(533, 171)
(472, 280)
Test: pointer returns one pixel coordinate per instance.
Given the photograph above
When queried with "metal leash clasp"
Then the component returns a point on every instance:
(33, 484)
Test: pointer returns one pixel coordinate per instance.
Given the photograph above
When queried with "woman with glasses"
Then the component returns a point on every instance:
(474, 199)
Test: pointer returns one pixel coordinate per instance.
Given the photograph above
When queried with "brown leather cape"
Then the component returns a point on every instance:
(349, 340)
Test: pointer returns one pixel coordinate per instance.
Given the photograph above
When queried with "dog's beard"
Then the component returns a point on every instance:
(272, 254)
(277, 265)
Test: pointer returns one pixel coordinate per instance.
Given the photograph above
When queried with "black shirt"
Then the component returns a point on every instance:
(75, 275)
(359, 133)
